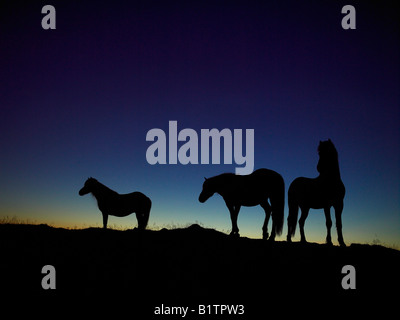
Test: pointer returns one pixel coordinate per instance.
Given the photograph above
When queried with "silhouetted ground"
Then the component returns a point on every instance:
(192, 266)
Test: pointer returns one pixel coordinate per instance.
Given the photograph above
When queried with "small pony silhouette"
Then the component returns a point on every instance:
(119, 205)
(250, 190)
(322, 192)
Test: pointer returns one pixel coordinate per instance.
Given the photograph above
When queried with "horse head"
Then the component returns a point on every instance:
(88, 186)
(327, 148)
(207, 191)
(328, 158)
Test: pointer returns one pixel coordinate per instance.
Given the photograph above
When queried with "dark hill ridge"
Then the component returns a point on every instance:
(190, 264)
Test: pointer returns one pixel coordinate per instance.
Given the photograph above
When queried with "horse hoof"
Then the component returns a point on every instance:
(342, 244)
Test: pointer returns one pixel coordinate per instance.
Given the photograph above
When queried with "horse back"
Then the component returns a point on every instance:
(266, 173)
(138, 197)
(124, 204)
(253, 188)
(316, 192)
(266, 179)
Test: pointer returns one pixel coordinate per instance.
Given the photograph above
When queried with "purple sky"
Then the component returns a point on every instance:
(78, 101)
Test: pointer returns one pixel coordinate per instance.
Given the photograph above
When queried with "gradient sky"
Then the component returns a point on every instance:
(78, 101)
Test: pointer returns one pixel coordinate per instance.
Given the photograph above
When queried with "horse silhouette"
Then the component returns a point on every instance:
(250, 190)
(119, 205)
(325, 191)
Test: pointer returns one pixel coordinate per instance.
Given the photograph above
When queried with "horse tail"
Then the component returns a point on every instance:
(293, 210)
(279, 206)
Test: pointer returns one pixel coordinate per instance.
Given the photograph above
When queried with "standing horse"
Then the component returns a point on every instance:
(325, 191)
(250, 190)
(119, 205)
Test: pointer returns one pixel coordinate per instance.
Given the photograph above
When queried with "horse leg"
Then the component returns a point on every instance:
(105, 219)
(338, 216)
(140, 218)
(234, 211)
(267, 208)
(302, 220)
(328, 225)
(292, 219)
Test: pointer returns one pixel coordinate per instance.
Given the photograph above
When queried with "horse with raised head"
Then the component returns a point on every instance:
(250, 190)
(323, 192)
(111, 203)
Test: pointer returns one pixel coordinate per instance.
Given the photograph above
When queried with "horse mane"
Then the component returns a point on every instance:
(328, 163)
(216, 180)
(100, 187)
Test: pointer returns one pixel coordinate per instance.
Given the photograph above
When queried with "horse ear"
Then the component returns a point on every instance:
(205, 178)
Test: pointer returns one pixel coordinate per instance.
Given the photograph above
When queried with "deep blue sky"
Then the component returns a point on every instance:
(78, 101)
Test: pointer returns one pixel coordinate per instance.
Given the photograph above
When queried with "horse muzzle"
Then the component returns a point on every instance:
(204, 197)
